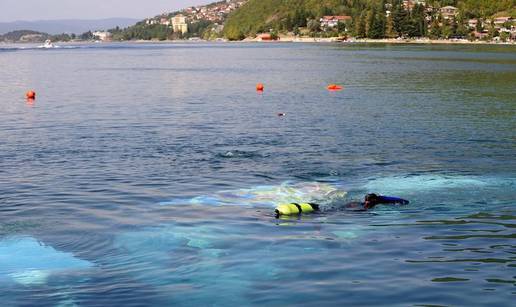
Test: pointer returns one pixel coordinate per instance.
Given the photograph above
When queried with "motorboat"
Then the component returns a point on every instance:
(47, 45)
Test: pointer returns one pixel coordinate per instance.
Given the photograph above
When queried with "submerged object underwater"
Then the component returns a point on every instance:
(269, 195)
(27, 261)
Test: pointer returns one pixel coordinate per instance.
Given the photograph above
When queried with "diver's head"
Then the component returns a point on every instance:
(371, 200)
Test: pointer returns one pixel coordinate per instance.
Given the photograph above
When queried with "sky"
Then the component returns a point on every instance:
(30, 10)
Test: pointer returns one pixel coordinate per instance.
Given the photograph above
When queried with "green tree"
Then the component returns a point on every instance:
(504, 36)
(287, 24)
(446, 30)
(86, 36)
(377, 29)
(399, 19)
(370, 20)
(479, 28)
(462, 30)
(341, 27)
(491, 32)
(300, 17)
(435, 29)
(389, 28)
(418, 21)
(313, 25)
(361, 26)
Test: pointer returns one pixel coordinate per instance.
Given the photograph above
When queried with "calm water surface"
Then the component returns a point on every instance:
(147, 175)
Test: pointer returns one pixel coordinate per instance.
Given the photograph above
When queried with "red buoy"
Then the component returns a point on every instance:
(30, 94)
(334, 87)
(259, 87)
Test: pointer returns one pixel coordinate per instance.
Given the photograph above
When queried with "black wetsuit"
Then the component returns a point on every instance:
(363, 206)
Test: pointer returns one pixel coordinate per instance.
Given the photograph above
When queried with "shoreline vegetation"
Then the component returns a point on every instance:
(361, 21)
(424, 41)
(427, 41)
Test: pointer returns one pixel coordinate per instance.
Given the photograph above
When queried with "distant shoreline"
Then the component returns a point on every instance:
(426, 41)
(301, 40)
(336, 40)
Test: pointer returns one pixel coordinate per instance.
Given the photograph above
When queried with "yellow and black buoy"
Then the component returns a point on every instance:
(295, 208)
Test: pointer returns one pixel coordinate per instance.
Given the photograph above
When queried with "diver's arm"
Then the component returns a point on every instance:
(392, 200)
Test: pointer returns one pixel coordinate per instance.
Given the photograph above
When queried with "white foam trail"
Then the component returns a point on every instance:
(429, 183)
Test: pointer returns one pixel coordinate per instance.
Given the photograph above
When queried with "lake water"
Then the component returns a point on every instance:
(147, 174)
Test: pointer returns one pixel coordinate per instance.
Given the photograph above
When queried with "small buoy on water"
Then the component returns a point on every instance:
(334, 87)
(259, 87)
(281, 114)
(30, 94)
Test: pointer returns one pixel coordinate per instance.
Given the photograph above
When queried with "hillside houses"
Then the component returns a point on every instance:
(501, 22)
(405, 19)
(410, 4)
(449, 12)
(215, 12)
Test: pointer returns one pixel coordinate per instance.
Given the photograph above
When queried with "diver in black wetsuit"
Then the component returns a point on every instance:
(370, 201)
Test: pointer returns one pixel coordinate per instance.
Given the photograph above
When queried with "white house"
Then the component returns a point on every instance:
(102, 35)
(449, 12)
(333, 21)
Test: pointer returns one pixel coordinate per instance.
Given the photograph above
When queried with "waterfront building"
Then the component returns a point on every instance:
(179, 24)
(410, 4)
(501, 22)
(164, 21)
(264, 37)
(333, 21)
(472, 23)
(449, 12)
(102, 35)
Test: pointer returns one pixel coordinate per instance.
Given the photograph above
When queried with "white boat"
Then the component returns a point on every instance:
(48, 45)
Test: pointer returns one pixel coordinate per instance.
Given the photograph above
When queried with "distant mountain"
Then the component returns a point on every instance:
(66, 26)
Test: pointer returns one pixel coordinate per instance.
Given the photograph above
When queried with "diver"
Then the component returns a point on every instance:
(370, 201)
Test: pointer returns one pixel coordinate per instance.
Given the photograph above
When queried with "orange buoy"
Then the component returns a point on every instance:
(259, 87)
(334, 87)
(30, 94)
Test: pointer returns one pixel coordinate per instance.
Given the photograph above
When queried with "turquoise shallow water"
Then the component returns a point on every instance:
(147, 174)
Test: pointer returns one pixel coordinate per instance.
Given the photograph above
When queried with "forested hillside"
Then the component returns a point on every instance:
(29, 36)
(289, 15)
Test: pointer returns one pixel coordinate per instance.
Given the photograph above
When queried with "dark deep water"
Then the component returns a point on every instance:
(146, 174)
